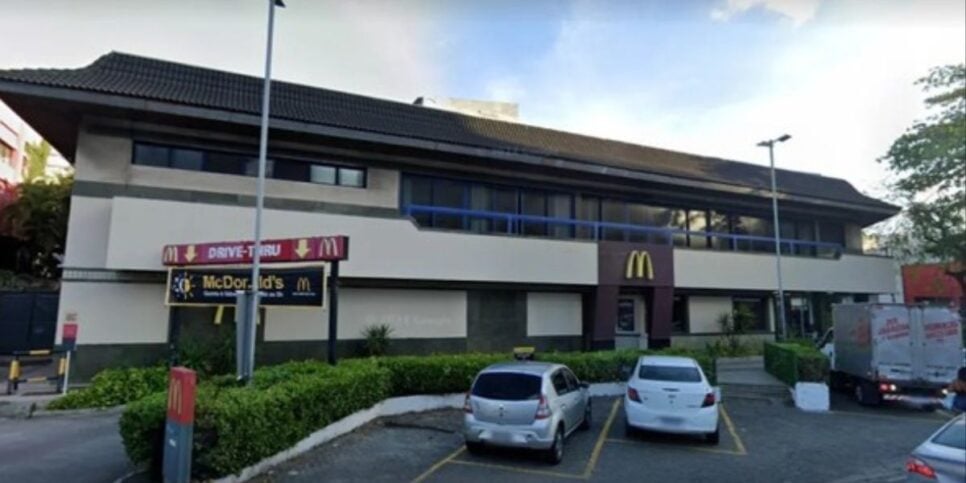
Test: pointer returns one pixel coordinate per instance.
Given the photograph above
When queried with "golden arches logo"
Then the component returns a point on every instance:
(329, 247)
(175, 397)
(170, 254)
(639, 265)
(303, 285)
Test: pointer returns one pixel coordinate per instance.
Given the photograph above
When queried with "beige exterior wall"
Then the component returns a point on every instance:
(115, 313)
(380, 247)
(704, 311)
(554, 314)
(746, 271)
(88, 227)
(410, 313)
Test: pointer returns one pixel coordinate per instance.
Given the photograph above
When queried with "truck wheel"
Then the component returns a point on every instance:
(867, 394)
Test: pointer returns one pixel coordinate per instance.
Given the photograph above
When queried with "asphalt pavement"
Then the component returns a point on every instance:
(84, 447)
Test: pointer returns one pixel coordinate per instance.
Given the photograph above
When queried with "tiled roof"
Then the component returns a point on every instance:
(152, 79)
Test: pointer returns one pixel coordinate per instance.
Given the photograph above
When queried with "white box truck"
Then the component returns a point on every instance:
(893, 351)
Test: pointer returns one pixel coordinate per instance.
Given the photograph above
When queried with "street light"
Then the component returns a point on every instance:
(248, 341)
(770, 144)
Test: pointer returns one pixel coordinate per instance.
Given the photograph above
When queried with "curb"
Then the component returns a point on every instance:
(388, 407)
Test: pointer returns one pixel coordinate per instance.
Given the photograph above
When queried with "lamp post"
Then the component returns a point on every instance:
(252, 313)
(770, 144)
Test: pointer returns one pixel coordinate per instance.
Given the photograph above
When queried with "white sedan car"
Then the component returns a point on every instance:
(672, 395)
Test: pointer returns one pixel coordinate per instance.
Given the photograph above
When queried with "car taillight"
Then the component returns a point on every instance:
(467, 407)
(886, 387)
(708, 400)
(633, 395)
(919, 467)
(543, 409)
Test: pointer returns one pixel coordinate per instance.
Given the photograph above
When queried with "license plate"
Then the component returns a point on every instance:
(671, 420)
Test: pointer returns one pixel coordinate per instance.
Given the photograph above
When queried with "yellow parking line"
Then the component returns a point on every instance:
(734, 434)
(592, 463)
(517, 470)
(439, 464)
(689, 448)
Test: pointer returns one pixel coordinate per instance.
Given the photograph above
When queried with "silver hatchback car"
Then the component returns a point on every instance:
(532, 405)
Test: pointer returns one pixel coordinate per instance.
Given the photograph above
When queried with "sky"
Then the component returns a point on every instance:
(711, 77)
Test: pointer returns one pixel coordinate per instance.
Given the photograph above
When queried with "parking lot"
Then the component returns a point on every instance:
(762, 440)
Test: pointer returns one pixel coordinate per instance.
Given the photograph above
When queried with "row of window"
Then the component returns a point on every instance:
(482, 208)
(192, 159)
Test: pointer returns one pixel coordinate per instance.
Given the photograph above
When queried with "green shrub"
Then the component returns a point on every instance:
(112, 387)
(437, 374)
(376, 339)
(792, 363)
(239, 426)
(599, 366)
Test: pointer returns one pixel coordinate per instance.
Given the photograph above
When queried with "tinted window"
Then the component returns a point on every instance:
(291, 170)
(148, 155)
(350, 177)
(560, 382)
(954, 436)
(507, 386)
(187, 159)
(670, 373)
(571, 379)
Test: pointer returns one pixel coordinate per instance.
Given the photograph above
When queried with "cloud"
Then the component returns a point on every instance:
(798, 11)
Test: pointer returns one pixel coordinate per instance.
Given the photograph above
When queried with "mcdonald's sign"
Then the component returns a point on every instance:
(308, 249)
(639, 265)
(303, 285)
(201, 286)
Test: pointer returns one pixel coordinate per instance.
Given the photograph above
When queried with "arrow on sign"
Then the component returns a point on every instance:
(303, 248)
(190, 253)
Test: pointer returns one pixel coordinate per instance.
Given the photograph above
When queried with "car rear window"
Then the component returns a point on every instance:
(670, 373)
(954, 436)
(507, 386)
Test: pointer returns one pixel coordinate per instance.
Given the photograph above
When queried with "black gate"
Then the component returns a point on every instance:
(28, 320)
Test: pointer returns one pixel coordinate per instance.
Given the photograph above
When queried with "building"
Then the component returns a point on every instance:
(928, 283)
(14, 136)
(467, 234)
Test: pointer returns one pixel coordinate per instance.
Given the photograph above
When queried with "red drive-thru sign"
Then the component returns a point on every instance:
(181, 396)
(308, 249)
(69, 338)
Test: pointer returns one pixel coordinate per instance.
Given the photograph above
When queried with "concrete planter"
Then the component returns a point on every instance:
(811, 396)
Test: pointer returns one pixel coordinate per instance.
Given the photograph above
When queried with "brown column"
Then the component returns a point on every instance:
(659, 323)
(605, 317)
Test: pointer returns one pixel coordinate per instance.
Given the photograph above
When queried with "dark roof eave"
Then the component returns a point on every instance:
(880, 211)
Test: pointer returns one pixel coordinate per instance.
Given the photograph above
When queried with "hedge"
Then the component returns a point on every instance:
(112, 387)
(238, 426)
(792, 363)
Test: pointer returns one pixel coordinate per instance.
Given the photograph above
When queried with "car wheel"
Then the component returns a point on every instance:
(556, 451)
(715, 437)
(585, 425)
(474, 448)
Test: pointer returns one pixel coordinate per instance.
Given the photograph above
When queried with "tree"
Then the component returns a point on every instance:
(929, 165)
(38, 218)
(35, 164)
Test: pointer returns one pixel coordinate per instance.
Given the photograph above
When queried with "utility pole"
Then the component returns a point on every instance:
(770, 144)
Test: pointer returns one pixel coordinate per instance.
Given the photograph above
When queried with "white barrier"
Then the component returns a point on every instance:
(811, 396)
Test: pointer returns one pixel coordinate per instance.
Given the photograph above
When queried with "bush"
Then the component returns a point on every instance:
(600, 366)
(112, 387)
(437, 374)
(239, 426)
(793, 363)
(376, 339)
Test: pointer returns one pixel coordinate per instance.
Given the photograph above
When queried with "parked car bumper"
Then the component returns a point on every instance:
(704, 421)
(538, 435)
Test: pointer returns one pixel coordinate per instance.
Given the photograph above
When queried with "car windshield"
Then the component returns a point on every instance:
(507, 386)
(670, 373)
(953, 436)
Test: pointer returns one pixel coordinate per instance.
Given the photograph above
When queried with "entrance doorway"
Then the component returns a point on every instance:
(631, 330)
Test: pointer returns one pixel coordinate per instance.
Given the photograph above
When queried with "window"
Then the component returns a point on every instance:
(502, 201)
(418, 191)
(242, 164)
(612, 211)
(679, 221)
(669, 373)
(507, 386)
(559, 381)
(754, 309)
(354, 177)
(533, 203)
(830, 233)
(588, 209)
(805, 230)
(448, 193)
(720, 223)
(697, 222)
(6, 153)
(953, 436)
(679, 315)
(571, 380)
(560, 206)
